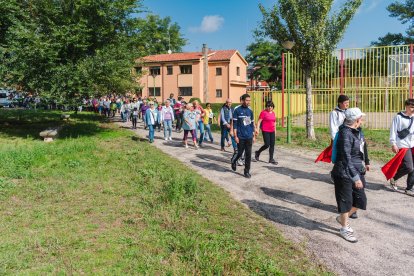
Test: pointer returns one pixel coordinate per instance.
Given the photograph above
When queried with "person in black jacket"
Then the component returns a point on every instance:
(349, 170)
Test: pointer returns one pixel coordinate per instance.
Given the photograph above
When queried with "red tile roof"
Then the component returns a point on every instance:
(213, 56)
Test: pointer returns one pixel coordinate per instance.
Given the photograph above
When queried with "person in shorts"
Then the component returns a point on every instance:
(349, 170)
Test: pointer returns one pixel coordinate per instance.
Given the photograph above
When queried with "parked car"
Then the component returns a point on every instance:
(4, 98)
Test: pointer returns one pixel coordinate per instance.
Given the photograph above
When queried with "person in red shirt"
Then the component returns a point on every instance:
(267, 121)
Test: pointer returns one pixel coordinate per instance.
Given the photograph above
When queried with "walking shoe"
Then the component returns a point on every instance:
(393, 184)
(169, 138)
(166, 139)
(186, 146)
(223, 149)
(354, 216)
(233, 166)
(338, 219)
(240, 162)
(247, 175)
(256, 155)
(196, 146)
(273, 161)
(348, 236)
(410, 191)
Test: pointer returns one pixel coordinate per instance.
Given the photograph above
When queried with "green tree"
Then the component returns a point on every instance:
(265, 58)
(74, 48)
(314, 28)
(404, 12)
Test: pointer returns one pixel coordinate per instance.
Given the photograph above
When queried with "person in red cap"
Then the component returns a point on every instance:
(349, 170)
(402, 144)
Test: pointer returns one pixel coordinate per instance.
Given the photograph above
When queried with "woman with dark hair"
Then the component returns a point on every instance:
(267, 122)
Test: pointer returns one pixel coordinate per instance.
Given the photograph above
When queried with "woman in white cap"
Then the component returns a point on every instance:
(348, 173)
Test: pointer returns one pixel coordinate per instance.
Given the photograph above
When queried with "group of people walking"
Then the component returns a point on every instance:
(348, 151)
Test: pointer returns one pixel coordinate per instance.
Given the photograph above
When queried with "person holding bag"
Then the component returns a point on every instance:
(402, 144)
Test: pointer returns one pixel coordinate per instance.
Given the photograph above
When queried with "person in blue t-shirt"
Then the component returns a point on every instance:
(244, 133)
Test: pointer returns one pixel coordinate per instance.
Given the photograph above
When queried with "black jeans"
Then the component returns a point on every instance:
(244, 145)
(134, 121)
(406, 167)
(269, 142)
(179, 123)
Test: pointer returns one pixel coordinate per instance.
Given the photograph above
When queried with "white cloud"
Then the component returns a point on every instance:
(209, 24)
(373, 5)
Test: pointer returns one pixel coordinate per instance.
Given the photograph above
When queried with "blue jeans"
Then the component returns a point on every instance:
(151, 132)
(200, 126)
(167, 128)
(144, 119)
(208, 133)
(225, 136)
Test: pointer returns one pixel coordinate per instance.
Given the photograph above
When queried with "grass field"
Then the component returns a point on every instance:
(101, 201)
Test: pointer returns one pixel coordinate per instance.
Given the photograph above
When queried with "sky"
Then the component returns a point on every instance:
(229, 24)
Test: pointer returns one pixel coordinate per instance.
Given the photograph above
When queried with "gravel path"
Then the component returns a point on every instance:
(297, 196)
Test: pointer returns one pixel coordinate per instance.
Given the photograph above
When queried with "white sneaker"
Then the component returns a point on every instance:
(348, 236)
(348, 227)
(166, 139)
(169, 138)
(196, 146)
(393, 184)
(186, 146)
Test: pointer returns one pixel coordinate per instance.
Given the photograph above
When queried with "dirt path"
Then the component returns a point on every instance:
(298, 198)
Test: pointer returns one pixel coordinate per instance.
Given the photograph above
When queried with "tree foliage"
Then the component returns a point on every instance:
(404, 12)
(314, 28)
(72, 48)
(265, 57)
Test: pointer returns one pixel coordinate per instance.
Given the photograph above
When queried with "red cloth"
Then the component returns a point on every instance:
(391, 168)
(326, 155)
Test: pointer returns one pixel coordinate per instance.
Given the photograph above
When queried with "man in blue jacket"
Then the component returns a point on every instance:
(244, 133)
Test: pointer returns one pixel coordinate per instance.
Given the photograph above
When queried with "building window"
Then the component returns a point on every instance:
(238, 70)
(185, 91)
(219, 93)
(169, 70)
(186, 69)
(138, 70)
(218, 71)
(155, 71)
(154, 91)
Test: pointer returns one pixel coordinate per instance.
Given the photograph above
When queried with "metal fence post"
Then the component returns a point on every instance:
(411, 71)
(342, 72)
(283, 89)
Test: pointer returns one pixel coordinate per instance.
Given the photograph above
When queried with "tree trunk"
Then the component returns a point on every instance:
(310, 131)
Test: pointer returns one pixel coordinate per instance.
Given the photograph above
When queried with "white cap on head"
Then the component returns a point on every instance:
(353, 114)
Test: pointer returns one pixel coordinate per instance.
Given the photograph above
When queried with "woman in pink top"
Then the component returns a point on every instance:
(267, 120)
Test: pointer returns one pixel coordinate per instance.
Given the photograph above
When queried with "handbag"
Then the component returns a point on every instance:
(402, 134)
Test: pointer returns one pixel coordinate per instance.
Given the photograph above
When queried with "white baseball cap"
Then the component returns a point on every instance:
(354, 113)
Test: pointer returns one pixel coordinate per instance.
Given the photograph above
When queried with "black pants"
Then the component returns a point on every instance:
(407, 167)
(244, 145)
(134, 121)
(269, 142)
(179, 123)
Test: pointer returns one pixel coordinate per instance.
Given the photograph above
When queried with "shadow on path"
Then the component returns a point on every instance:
(298, 199)
(295, 174)
(287, 216)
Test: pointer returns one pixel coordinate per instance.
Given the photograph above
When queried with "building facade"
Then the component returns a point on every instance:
(183, 75)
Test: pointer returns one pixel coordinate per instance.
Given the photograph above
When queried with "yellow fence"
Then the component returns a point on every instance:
(378, 80)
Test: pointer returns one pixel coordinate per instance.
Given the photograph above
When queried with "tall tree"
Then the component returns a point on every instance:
(404, 12)
(72, 48)
(265, 58)
(314, 28)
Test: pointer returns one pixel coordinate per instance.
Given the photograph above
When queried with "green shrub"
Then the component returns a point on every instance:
(195, 99)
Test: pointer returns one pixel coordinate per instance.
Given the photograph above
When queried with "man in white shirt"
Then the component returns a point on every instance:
(402, 139)
(337, 116)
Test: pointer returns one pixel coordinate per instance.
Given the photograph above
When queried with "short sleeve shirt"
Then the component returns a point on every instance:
(268, 121)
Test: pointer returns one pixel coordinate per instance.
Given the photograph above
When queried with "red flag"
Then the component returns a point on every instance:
(326, 155)
(391, 168)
